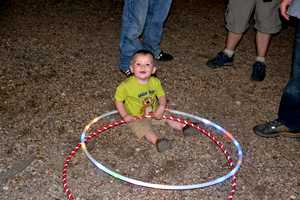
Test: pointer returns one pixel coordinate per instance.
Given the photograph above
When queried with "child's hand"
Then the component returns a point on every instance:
(128, 118)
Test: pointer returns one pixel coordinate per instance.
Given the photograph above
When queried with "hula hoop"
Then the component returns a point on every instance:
(220, 130)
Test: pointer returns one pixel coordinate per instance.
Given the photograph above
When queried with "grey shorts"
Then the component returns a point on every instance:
(266, 15)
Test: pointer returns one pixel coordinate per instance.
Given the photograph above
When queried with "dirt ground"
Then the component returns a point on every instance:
(58, 71)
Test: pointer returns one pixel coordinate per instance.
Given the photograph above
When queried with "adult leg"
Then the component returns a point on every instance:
(237, 17)
(259, 66)
(133, 21)
(232, 40)
(225, 57)
(158, 12)
(289, 109)
(262, 43)
(267, 22)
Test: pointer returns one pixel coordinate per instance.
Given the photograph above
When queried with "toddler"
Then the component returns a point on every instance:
(141, 94)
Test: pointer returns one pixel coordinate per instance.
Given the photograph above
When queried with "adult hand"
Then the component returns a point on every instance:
(284, 8)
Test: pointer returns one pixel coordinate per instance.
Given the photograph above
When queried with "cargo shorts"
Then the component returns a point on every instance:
(266, 15)
(141, 127)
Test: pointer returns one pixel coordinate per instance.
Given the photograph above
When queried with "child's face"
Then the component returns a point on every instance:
(142, 66)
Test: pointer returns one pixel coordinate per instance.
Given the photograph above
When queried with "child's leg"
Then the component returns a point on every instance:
(162, 144)
(151, 137)
(142, 128)
(175, 125)
(186, 129)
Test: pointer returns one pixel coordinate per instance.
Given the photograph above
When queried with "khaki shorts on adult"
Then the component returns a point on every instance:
(266, 15)
(141, 127)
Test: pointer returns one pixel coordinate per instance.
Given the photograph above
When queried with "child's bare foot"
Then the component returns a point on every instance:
(163, 144)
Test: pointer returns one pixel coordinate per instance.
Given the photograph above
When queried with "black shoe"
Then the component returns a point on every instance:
(273, 128)
(163, 144)
(162, 56)
(126, 72)
(220, 60)
(258, 71)
(189, 131)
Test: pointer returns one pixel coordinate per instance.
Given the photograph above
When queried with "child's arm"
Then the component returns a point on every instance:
(122, 111)
(161, 108)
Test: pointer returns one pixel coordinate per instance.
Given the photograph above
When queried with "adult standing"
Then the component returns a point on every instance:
(267, 22)
(288, 120)
(142, 28)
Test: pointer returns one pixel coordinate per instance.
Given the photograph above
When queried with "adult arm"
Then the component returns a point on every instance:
(284, 4)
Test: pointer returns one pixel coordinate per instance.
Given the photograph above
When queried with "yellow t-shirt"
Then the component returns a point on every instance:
(137, 97)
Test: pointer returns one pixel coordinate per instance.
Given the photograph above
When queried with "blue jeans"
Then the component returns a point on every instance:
(289, 109)
(141, 18)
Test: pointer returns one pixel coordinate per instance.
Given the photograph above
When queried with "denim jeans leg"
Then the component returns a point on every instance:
(133, 21)
(157, 14)
(289, 109)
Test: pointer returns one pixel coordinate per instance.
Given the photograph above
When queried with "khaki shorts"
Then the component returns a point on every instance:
(141, 127)
(266, 15)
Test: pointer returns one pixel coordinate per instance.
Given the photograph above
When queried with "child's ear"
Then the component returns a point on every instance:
(154, 70)
(131, 69)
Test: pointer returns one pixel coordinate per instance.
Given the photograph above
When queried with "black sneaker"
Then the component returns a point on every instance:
(258, 71)
(163, 144)
(164, 56)
(189, 131)
(126, 72)
(220, 60)
(274, 128)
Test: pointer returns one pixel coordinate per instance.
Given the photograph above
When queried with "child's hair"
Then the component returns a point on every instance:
(143, 52)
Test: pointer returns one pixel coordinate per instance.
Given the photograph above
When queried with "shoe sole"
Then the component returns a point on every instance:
(259, 80)
(291, 135)
(283, 134)
(219, 66)
(164, 60)
(267, 136)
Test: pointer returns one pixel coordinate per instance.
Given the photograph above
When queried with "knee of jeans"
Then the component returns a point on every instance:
(293, 88)
(133, 32)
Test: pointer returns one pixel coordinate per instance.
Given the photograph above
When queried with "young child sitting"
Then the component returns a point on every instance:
(141, 94)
